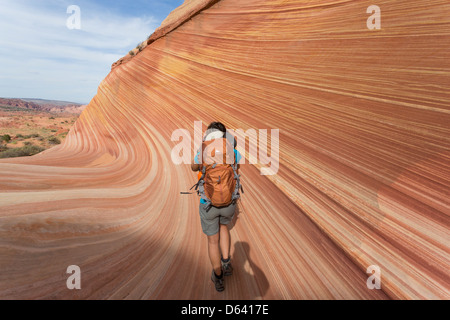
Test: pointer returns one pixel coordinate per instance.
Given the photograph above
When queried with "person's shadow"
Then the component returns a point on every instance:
(244, 248)
(258, 275)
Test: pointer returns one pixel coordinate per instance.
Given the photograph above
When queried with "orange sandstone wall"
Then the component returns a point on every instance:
(364, 161)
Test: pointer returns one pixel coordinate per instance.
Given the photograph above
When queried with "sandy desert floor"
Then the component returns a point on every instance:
(34, 128)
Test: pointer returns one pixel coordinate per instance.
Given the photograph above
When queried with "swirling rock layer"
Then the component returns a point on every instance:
(364, 161)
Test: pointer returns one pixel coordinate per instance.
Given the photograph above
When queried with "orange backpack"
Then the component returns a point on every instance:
(219, 182)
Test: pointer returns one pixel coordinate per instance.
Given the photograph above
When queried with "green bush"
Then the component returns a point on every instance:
(28, 136)
(54, 140)
(21, 152)
(6, 138)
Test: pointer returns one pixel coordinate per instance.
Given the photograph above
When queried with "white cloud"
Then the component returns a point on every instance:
(40, 57)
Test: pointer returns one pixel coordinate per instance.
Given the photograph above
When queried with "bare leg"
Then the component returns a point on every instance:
(214, 253)
(225, 241)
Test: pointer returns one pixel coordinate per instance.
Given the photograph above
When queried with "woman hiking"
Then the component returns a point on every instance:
(219, 187)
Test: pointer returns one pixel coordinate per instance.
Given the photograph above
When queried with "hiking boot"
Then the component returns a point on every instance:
(218, 282)
(227, 267)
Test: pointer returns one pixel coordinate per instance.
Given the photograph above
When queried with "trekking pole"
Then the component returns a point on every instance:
(186, 193)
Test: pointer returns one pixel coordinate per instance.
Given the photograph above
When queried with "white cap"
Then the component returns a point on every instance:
(213, 134)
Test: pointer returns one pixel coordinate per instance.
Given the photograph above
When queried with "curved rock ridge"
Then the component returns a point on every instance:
(182, 14)
(363, 180)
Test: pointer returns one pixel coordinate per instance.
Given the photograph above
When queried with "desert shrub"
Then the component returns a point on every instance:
(19, 136)
(140, 46)
(51, 118)
(21, 152)
(6, 138)
(27, 143)
(54, 140)
(131, 53)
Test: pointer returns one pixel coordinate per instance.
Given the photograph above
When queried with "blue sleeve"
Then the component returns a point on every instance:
(196, 158)
(238, 155)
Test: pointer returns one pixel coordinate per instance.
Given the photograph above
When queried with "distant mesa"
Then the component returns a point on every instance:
(54, 106)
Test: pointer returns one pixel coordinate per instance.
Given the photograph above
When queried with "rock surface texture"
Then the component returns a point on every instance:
(364, 149)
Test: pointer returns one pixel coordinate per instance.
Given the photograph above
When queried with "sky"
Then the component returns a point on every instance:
(41, 57)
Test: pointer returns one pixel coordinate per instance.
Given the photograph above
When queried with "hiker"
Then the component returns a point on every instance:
(219, 187)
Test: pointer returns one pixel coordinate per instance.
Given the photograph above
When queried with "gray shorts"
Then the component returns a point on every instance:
(210, 220)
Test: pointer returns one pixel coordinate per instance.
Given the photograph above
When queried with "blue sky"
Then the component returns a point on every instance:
(40, 57)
